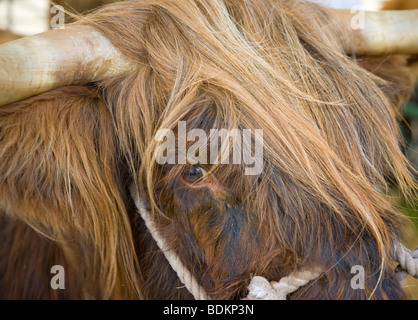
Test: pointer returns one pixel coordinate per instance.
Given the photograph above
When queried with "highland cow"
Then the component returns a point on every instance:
(81, 108)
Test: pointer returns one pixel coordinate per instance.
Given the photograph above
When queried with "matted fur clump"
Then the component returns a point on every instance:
(68, 157)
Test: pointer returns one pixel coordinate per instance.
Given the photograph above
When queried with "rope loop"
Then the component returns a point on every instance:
(260, 288)
(408, 262)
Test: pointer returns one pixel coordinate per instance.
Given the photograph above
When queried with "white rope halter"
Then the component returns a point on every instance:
(183, 273)
(260, 288)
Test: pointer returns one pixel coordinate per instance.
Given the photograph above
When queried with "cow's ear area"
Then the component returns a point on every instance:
(399, 72)
(61, 175)
(57, 147)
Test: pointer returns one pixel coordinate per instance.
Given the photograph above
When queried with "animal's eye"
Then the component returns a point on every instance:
(194, 175)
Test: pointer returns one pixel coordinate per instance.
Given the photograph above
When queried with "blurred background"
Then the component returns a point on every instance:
(26, 17)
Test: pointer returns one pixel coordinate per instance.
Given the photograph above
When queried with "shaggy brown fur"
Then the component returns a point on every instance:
(6, 36)
(331, 150)
(400, 5)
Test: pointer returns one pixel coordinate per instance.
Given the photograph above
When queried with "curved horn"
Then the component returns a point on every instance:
(383, 32)
(76, 55)
(81, 54)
